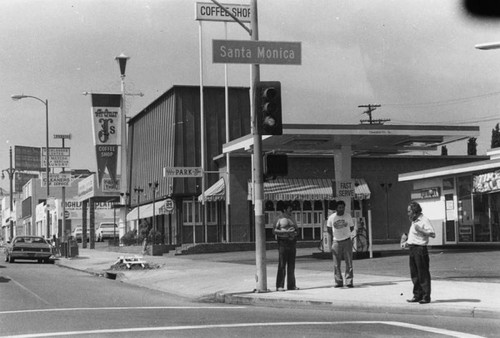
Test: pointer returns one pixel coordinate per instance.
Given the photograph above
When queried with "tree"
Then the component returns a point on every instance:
(495, 137)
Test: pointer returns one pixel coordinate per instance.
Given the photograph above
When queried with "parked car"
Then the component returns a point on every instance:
(106, 231)
(28, 247)
(78, 232)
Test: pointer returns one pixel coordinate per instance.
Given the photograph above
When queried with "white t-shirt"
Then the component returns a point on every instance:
(417, 237)
(341, 226)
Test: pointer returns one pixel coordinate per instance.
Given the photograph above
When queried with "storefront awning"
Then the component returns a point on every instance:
(216, 192)
(307, 189)
(145, 211)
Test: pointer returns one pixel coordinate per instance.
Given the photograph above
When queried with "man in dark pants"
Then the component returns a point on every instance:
(418, 238)
(339, 226)
(286, 232)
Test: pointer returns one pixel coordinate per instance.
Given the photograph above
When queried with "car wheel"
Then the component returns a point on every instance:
(11, 259)
(6, 257)
(40, 261)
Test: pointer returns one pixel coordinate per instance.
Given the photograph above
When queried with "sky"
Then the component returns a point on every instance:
(414, 58)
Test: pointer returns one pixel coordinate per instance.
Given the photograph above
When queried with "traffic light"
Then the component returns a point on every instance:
(275, 165)
(269, 108)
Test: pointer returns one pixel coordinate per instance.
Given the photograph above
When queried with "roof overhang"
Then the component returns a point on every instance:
(450, 170)
(363, 138)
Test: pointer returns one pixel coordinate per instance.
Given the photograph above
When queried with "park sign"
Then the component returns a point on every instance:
(207, 11)
(182, 172)
(257, 52)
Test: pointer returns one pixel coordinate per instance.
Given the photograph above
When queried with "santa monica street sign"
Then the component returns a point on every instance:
(257, 52)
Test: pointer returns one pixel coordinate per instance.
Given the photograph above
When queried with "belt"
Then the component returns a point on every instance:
(342, 240)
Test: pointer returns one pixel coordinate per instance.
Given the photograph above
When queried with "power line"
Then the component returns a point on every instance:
(444, 102)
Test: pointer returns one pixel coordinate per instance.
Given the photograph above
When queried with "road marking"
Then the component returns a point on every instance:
(121, 308)
(215, 326)
(28, 290)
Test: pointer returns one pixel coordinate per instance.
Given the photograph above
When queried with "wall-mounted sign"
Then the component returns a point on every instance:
(486, 182)
(344, 189)
(427, 193)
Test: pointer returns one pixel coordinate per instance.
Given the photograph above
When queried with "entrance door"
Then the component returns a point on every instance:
(451, 212)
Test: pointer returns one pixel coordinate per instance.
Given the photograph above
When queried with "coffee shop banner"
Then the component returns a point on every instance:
(106, 123)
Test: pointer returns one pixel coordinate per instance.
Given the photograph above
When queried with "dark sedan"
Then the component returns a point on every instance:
(28, 247)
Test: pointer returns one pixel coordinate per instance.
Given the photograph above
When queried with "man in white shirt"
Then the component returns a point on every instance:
(340, 226)
(418, 238)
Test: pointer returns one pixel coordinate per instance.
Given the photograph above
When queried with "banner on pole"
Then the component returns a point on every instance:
(106, 122)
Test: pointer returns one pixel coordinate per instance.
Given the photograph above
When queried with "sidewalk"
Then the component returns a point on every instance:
(202, 279)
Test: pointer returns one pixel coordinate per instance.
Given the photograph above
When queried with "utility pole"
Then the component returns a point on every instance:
(371, 108)
(260, 235)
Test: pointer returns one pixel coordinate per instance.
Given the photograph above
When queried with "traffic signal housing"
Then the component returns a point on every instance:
(269, 108)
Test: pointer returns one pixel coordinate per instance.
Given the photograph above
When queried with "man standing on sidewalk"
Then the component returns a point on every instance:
(340, 226)
(418, 238)
(286, 233)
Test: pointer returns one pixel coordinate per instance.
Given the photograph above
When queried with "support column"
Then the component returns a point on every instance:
(342, 163)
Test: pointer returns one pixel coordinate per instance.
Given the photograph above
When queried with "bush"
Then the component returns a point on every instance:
(155, 238)
(130, 238)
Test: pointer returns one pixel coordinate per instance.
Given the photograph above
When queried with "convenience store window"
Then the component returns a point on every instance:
(465, 212)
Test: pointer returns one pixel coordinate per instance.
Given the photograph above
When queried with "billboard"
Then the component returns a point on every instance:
(27, 158)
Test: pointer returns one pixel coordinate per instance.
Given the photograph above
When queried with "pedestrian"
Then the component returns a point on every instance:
(418, 238)
(286, 232)
(339, 226)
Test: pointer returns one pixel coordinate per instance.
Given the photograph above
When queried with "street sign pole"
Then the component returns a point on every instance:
(260, 238)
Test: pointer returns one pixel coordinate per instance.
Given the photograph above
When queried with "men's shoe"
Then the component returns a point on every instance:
(338, 286)
(414, 300)
(280, 289)
(350, 285)
(294, 288)
(425, 301)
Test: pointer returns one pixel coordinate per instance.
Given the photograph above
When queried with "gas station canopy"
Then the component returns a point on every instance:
(362, 138)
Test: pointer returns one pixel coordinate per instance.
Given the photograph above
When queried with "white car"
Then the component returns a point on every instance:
(77, 234)
(106, 231)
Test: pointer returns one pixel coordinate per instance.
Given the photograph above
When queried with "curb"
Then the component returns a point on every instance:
(249, 299)
(473, 312)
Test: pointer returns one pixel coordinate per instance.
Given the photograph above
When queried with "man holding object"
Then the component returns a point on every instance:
(418, 238)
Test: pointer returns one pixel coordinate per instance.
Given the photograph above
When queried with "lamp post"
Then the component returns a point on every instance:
(122, 62)
(10, 172)
(154, 187)
(47, 170)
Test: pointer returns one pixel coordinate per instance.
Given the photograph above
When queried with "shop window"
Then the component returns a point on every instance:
(481, 218)
(307, 205)
(465, 214)
(318, 205)
(495, 217)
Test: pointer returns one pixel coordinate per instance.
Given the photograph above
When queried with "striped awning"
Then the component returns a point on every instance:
(306, 189)
(145, 211)
(217, 192)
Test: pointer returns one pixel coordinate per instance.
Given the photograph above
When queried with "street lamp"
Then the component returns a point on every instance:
(122, 62)
(154, 188)
(46, 103)
(10, 172)
(488, 45)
